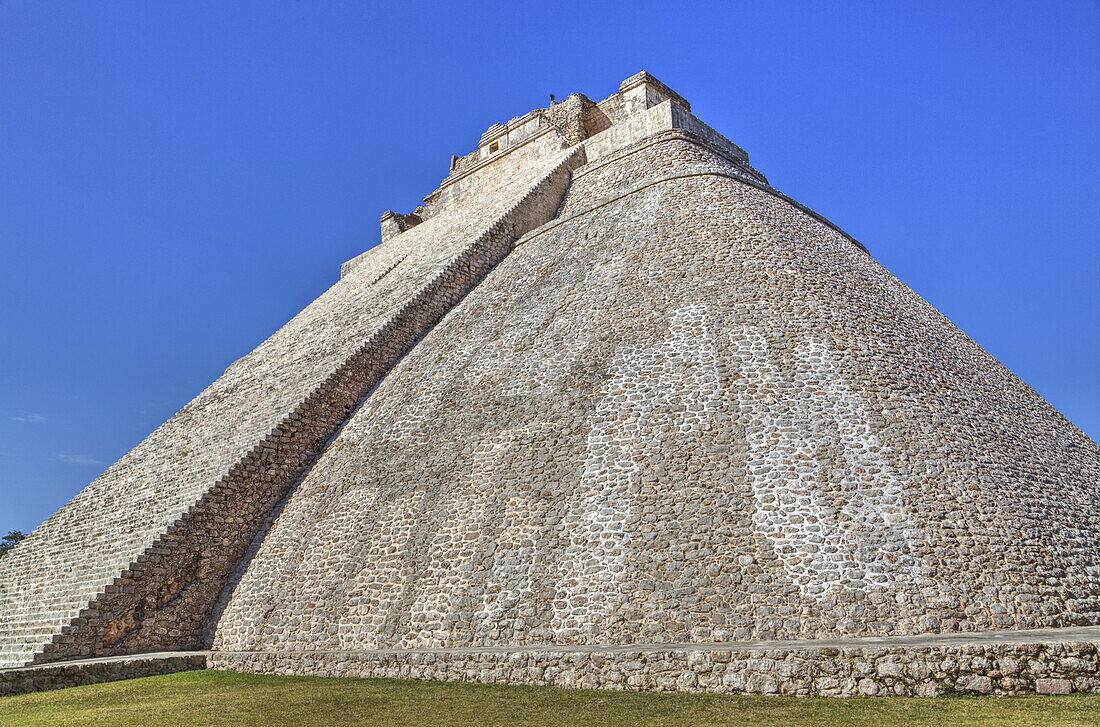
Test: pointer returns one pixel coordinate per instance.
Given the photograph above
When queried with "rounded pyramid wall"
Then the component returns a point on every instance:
(684, 410)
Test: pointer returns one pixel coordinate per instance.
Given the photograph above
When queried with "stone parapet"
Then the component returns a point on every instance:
(393, 224)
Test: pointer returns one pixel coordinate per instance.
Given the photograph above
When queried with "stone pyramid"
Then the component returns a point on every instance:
(606, 388)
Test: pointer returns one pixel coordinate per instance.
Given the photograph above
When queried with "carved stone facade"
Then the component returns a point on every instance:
(606, 387)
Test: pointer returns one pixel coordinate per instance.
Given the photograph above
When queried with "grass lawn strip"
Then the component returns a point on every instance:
(227, 698)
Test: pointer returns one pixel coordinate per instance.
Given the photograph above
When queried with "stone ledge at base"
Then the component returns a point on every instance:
(1047, 661)
(59, 675)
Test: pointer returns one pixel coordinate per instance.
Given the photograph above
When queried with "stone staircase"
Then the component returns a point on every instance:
(136, 561)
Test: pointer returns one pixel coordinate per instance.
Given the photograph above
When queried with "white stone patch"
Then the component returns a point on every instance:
(635, 408)
(446, 579)
(525, 368)
(508, 590)
(374, 595)
(834, 514)
(566, 327)
(508, 593)
(418, 406)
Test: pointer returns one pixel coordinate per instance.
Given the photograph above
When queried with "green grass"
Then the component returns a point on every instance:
(226, 698)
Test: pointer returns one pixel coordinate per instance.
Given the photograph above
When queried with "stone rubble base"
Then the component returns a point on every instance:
(919, 671)
(95, 671)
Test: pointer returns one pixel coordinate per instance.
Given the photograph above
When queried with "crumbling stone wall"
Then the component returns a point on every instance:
(195, 521)
(466, 162)
(394, 224)
(572, 117)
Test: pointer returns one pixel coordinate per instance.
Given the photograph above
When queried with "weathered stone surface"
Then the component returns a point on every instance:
(77, 673)
(849, 672)
(1053, 686)
(637, 396)
(974, 683)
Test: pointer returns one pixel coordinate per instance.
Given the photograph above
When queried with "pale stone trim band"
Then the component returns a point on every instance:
(712, 172)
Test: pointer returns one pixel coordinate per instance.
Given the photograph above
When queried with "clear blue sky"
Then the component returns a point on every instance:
(177, 179)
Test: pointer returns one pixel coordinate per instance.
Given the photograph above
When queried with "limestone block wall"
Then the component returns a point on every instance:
(637, 93)
(136, 560)
(694, 414)
(869, 671)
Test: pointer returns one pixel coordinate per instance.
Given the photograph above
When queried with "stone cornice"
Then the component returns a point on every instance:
(645, 77)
